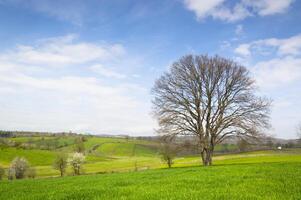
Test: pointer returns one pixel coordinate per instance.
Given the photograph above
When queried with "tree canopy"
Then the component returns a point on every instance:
(211, 97)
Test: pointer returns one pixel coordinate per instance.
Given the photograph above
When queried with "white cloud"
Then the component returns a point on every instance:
(269, 7)
(223, 10)
(277, 72)
(238, 12)
(243, 50)
(62, 51)
(276, 67)
(278, 61)
(40, 96)
(107, 72)
(202, 8)
(282, 47)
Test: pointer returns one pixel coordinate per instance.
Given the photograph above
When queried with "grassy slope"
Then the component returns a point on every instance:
(253, 175)
(34, 156)
(112, 154)
(253, 181)
(120, 155)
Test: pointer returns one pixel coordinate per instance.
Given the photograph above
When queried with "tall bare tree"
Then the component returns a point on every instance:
(210, 97)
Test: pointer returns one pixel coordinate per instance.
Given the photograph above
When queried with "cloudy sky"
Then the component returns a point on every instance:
(89, 65)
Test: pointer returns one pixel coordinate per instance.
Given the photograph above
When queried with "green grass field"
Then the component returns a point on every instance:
(280, 180)
(110, 173)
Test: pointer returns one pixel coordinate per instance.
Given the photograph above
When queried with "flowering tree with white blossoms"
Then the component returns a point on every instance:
(76, 160)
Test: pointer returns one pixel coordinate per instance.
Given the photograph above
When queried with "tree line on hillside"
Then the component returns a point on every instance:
(44, 142)
(12, 134)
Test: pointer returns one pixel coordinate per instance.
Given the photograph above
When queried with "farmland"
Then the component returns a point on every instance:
(276, 180)
(107, 155)
(119, 168)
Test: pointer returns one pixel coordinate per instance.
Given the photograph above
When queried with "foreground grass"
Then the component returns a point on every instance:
(238, 181)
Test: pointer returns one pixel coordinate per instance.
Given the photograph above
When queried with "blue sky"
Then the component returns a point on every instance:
(88, 66)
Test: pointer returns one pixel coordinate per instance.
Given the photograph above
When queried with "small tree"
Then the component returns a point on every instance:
(60, 163)
(242, 145)
(18, 167)
(168, 150)
(2, 172)
(76, 161)
(79, 145)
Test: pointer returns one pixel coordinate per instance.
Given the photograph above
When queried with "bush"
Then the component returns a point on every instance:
(18, 168)
(2, 172)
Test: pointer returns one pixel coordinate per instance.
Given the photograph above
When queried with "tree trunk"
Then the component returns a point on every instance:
(207, 157)
(169, 161)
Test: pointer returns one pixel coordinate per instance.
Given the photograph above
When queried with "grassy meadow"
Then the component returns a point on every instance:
(119, 168)
(276, 180)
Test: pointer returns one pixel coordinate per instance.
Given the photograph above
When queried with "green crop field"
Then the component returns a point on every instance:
(277, 180)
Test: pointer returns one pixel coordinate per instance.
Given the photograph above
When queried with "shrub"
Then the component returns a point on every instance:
(18, 168)
(76, 161)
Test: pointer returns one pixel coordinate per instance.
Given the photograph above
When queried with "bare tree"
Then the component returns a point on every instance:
(60, 163)
(210, 97)
(79, 145)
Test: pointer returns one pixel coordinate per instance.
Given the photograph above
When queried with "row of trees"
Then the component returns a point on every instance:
(20, 168)
(43, 143)
(76, 161)
(9, 134)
